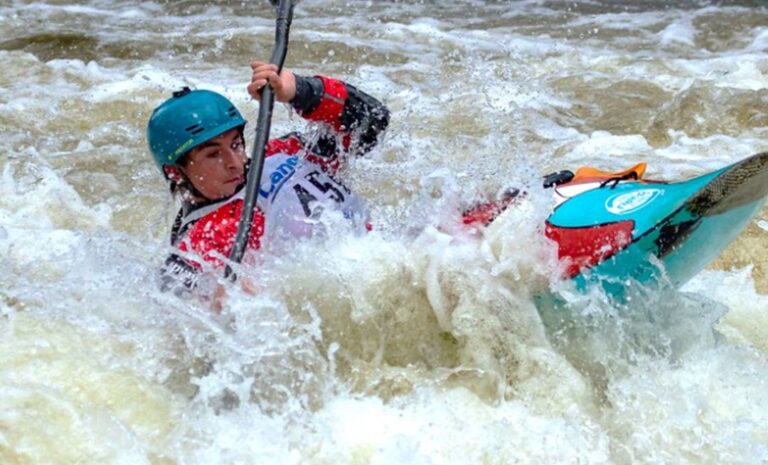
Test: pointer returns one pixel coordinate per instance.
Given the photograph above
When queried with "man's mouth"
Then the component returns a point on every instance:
(236, 180)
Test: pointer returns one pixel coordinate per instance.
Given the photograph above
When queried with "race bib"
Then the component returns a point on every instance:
(295, 194)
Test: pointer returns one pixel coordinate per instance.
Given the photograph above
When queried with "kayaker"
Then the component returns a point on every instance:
(196, 138)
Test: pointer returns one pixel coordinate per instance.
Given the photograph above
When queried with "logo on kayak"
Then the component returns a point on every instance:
(621, 204)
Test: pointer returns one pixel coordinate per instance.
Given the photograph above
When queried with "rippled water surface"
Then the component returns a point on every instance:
(407, 345)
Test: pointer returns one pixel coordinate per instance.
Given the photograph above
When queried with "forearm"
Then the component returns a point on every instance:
(343, 107)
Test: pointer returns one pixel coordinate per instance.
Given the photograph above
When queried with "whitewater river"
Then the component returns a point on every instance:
(407, 345)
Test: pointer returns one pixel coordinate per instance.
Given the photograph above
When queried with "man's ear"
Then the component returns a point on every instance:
(173, 173)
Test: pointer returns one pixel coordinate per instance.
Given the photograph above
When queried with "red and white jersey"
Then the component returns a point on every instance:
(294, 198)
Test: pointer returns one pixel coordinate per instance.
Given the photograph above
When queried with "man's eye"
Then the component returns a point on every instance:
(212, 155)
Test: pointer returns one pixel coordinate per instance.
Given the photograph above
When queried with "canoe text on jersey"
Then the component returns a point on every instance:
(280, 174)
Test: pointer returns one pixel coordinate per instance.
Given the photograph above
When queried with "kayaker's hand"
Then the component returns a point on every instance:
(248, 286)
(284, 85)
(219, 296)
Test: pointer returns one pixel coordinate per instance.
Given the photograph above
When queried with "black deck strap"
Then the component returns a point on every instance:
(555, 179)
(613, 182)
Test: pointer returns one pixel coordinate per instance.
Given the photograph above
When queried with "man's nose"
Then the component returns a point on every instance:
(232, 158)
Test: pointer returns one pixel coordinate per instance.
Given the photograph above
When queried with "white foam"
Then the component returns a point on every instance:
(680, 32)
(731, 70)
(747, 320)
(760, 43)
(666, 413)
(602, 144)
(632, 21)
(74, 9)
(453, 426)
(695, 156)
(144, 78)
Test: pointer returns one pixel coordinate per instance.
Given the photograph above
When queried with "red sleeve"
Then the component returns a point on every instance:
(289, 145)
(331, 105)
(214, 234)
(481, 214)
(485, 213)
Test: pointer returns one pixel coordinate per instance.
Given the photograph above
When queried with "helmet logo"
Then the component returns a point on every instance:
(182, 148)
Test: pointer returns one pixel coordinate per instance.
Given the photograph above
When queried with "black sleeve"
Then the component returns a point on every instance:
(365, 117)
(309, 92)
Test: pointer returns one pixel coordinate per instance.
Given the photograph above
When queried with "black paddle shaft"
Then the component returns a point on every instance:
(266, 104)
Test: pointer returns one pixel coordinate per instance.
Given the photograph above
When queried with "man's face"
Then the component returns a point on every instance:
(217, 167)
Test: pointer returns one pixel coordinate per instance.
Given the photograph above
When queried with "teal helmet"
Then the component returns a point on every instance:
(186, 120)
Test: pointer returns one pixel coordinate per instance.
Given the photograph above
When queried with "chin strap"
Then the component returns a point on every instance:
(187, 187)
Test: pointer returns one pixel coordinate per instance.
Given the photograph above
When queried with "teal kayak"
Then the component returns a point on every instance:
(622, 229)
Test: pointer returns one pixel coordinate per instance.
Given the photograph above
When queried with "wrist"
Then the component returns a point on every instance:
(290, 87)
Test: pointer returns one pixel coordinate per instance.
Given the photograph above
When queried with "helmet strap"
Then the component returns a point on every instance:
(188, 190)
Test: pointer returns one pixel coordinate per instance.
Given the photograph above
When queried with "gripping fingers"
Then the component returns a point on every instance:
(284, 84)
(254, 88)
(259, 80)
(255, 65)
